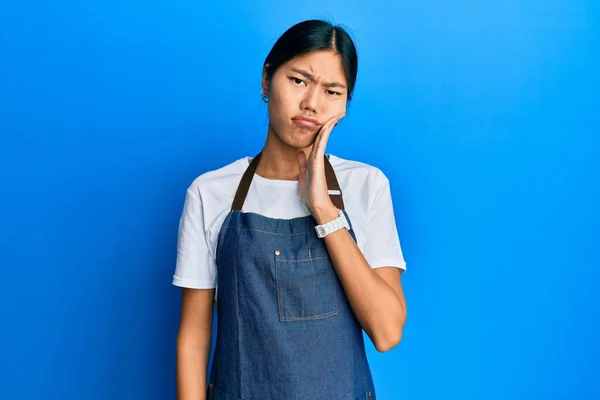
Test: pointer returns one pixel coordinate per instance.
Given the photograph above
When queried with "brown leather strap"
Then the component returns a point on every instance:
(242, 190)
(335, 192)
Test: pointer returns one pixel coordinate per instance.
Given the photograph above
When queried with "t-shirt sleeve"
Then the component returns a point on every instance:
(195, 267)
(382, 247)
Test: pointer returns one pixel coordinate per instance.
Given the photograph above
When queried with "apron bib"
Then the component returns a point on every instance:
(285, 329)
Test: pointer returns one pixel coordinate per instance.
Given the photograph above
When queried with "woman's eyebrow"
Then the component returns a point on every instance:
(308, 75)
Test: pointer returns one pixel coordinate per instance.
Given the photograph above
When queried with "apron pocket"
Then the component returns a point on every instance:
(306, 285)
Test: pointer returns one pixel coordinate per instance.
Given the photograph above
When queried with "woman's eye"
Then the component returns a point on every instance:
(297, 80)
(333, 93)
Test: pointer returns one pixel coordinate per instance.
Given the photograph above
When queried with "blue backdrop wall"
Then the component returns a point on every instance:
(482, 114)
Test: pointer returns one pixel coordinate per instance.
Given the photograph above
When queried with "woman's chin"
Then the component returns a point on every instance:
(302, 141)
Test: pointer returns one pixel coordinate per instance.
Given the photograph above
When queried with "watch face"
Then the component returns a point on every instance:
(320, 231)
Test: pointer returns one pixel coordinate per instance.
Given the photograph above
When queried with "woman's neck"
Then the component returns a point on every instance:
(278, 160)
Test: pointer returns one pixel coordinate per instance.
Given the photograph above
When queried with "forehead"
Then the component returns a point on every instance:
(323, 64)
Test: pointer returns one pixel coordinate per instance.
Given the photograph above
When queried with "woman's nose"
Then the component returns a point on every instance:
(310, 100)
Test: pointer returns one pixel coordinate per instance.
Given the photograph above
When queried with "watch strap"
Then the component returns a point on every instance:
(332, 226)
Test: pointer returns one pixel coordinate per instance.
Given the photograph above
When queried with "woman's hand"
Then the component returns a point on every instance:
(313, 184)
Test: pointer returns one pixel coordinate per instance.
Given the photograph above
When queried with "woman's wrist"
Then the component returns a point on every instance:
(325, 214)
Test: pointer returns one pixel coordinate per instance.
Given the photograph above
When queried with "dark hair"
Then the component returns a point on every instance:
(314, 35)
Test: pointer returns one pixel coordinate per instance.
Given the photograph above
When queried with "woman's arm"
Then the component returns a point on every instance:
(193, 343)
(375, 294)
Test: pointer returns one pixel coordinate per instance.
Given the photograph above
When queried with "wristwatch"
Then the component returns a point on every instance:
(332, 226)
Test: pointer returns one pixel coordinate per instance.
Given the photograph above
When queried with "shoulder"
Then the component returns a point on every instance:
(219, 181)
(358, 173)
(366, 191)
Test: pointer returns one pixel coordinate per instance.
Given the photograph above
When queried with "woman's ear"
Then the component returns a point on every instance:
(265, 81)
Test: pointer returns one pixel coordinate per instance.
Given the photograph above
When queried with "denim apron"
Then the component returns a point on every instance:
(285, 329)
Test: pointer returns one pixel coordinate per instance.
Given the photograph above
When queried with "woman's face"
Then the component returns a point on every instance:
(304, 93)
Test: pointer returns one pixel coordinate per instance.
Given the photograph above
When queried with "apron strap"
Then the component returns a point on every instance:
(335, 192)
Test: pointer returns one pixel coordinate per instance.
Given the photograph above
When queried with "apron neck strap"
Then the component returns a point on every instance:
(335, 192)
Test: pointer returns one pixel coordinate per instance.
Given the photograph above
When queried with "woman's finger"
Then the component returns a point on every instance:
(323, 136)
(302, 163)
(321, 141)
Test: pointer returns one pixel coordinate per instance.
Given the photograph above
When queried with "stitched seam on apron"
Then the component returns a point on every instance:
(278, 277)
(312, 265)
(267, 232)
(329, 314)
(301, 259)
(333, 289)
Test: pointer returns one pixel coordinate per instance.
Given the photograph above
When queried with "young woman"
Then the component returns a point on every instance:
(304, 246)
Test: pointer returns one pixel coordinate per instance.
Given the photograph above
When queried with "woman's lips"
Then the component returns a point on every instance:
(306, 122)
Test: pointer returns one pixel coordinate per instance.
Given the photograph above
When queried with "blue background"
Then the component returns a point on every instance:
(482, 114)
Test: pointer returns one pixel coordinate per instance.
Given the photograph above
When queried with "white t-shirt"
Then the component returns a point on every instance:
(367, 200)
